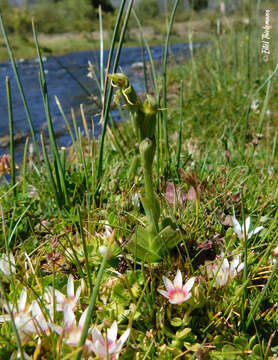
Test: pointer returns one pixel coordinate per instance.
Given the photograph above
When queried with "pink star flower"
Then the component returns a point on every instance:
(108, 348)
(176, 292)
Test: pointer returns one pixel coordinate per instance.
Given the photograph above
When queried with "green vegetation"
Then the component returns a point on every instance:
(185, 189)
(69, 25)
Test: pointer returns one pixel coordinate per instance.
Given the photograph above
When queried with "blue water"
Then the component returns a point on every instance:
(69, 92)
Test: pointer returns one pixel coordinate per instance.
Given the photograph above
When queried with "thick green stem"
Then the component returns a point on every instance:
(149, 201)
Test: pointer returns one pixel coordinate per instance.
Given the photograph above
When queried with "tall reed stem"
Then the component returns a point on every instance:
(11, 129)
(20, 87)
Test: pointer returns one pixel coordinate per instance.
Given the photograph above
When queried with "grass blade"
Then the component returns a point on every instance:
(164, 78)
(93, 298)
(56, 158)
(11, 129)
(50, 175)
(109, 97)
(180, 130)
(20, 87)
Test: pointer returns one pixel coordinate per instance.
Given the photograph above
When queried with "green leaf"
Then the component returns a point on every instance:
(176, 322)
(150, 248)
(145, 247)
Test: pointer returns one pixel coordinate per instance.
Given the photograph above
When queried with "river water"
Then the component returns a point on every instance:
(69, 92)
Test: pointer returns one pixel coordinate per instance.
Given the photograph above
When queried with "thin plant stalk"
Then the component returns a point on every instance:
(164, 78)
(84, 120)
(260, 299)
(50, 175)
(85, 251)
(153, 72)
(11, 129)
(24, 162)
(109, 96)
(253, 97)
(56, 158)
(20, 87)
(16, 225)
(262, 114)
(245, 272)
(101, 67)
(93, 298)
(17, 337)
(83, 157)
(65, 118)
(180, 130)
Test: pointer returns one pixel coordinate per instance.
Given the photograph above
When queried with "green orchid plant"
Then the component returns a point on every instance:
(153, 242)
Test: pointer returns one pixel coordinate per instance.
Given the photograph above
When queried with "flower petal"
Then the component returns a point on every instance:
(96, 336)
(178, 280)
(100, 349)
(225, 265)
(168, 284)
(69, 317)
(164, 293)
(70, 287)
(255, 231)
(112, 332)
(247, 224)
(58, 329)
(82, 319)
(237, 227)
(179, 301)
(189, 284)
(240, 267)
(118, 346)
(22, 300)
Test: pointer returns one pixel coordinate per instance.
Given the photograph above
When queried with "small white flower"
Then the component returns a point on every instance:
(236, 267)
(70, 299)
(39, 318)
(239, 230)
(218, 270)
(109, 346)
(24, 322)
(176, 292)
(255, 104)
(222, 271)
(71, 332)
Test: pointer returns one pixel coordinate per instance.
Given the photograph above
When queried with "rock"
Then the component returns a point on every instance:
(18, 137)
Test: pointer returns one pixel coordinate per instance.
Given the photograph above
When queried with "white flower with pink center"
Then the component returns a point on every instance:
(71, 332)
(108, 348)
(176, 292)
(62, 300)
(25, 324)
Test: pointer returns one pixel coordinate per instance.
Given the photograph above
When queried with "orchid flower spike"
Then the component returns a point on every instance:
(239, 230)
(108, 346)
(176, 292)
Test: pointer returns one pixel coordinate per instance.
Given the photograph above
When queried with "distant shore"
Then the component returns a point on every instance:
(66, 42)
